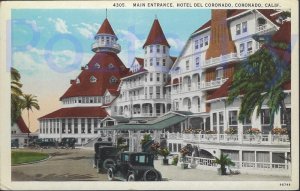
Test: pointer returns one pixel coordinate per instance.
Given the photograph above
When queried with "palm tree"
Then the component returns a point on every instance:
(30, 102)
(223, 161)
(16, 95)
(260, 80)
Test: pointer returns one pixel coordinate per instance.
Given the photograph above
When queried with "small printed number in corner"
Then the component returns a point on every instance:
(285, 184)
(119, 4)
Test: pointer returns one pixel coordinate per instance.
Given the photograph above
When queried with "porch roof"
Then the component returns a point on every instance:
(157, 124)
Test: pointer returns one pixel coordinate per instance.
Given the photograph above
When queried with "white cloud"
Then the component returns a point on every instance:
(135, 42)
(60, 25)
(33, 24)
(176, 43)
(87, 30)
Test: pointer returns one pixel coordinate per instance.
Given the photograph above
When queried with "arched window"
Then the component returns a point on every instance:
(93, 79)
(86, 67)
(113, 80)
(77, 81)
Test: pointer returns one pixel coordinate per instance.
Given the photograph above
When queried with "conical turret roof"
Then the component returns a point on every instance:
(156, 35)
(106, 28)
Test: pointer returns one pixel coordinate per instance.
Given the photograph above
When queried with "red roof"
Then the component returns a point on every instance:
(233, 12)
(175, 81)
(156, 35)
(22, 126)
(140, 61)
(222, 91)
(102, 74)
(106, 28)
(113, 92)
(97, 112)
(283, 34)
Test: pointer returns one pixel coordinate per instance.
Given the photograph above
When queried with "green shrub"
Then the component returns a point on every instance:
(175, 160)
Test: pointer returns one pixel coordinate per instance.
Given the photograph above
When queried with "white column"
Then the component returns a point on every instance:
(240, 158)
(240, 132)
(60, 129)
(72, 126)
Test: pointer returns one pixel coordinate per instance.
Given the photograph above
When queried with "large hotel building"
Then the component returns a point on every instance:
(179, 100)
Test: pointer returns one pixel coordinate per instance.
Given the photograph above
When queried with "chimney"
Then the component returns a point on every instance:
(220, 38)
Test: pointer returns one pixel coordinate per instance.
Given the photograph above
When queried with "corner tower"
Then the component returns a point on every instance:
(106, 39)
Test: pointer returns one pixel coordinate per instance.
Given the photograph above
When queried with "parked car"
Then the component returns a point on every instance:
(67, 142)
(104, 157)
(134, 166)
(45, 143)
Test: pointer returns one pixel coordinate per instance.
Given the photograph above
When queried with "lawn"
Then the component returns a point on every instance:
(18, 157)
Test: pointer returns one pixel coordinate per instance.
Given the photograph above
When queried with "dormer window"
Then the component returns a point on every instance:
(77, 81)
(93, 79)
(86, 67)
(97, 65)
(111, 66)
(113, 80)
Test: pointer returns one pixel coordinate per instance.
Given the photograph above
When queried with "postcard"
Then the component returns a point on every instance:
(176, 95)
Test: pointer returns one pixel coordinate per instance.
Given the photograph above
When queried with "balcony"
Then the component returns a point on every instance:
(219, 60)
(135, 85)
(213, 84)
(260, 139)
(145, 97)
(264, 29)
(97, 46)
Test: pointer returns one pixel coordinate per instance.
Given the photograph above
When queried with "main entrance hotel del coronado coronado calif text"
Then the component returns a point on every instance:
(179, 100)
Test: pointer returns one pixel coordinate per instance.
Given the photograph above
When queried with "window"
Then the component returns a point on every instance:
(151, 77)
(146, 50)
(201, 42)
(145, 62)
(111, 66)
(244, 26)
(113, 80)
(158, 93)
(265, 121)
(107, 40)
(151, 49)
(102, 40)
(221, 122)
(196, 44)
(164, 62)
(233, 119)
(146, 78)
(164, 49)
(97, 65)
(283, 119)
(165, 77)
(89, 125)
(215, 121)
(75, 126)
(157, 77)
(157, 61)
(246, 124)
(151, 61)
(242, 47)
(238, 29)
(187, 65)
(157, 48)
(150, 92)
(197, 62)
(206, 40)
(93, 79)
(249, 46)
(219, 73)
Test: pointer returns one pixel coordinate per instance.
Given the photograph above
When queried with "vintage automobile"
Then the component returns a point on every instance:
(134, 166)
(67, 142)
(45, 143)
(104, 157)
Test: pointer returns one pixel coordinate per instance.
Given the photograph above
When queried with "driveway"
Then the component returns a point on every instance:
(76, 165)
(64, 165)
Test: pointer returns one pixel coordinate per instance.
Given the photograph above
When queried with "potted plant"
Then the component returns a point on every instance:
(164, 152)
(223, 161)
(184, 151)
(253, 131)
(155, 149)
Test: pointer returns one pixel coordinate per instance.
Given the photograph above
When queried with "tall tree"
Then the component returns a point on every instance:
(16, 95)
(30, 102)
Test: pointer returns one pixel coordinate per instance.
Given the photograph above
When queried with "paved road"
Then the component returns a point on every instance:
(76, 165)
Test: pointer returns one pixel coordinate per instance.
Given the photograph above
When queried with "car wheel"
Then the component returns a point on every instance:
(110, 174)
(131, 177)
(150, 175)
(108, 163)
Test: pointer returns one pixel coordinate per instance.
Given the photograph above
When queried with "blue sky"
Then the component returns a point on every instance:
(43, 38)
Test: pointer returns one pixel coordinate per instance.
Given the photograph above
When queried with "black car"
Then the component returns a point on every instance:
(104, 157)
(45, 143)
(67, 142)
(134, 166)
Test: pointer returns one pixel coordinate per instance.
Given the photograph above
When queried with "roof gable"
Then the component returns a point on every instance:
(22, 126)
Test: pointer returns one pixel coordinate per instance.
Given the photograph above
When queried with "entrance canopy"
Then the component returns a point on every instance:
(157, 124)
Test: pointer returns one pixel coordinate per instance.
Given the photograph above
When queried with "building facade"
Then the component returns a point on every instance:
(182, 101)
